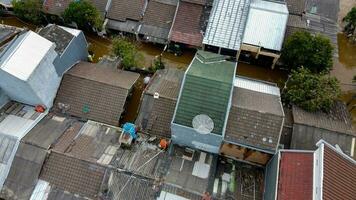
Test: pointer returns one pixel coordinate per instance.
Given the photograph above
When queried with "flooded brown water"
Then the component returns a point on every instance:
(344, 70)
(344, 65)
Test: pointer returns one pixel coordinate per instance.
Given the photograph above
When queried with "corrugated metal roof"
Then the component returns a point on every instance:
(266, 24)
(227, 23)
(41, 190)
(15, 127)
(258, 86)
(7, 144)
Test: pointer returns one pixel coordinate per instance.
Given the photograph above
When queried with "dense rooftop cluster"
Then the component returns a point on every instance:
(228, 136)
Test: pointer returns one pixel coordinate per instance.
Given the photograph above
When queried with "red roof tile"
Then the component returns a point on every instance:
(339, 176)
(295, 176)
(186, 27)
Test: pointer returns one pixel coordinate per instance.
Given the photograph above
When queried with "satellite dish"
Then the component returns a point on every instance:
(203, 124)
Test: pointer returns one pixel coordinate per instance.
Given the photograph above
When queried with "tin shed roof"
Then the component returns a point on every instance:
(227, 24)
(206, 90)
(266, 24)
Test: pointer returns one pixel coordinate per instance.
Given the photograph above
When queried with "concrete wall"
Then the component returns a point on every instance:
(185, 136)
(45, 81)
(76, 51)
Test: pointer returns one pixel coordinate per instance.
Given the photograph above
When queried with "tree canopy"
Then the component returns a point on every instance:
(313, 52)
(84, 14)
(29, 10)
(127, 51)
(351, 17)
(311, 92)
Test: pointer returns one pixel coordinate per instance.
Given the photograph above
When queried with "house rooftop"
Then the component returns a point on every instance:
(296, 7)
(326, 169)
(206, 89)
(256, 116)
(22, 47)
(227, 24)
(7, 32)
(190, 171)
(338, 119)
(103, 74)
(24, 172)
(166, 82)
(73, 175)
(16, 120)
(266, 24)
(95, 92)
(187, 24)
(123, 10)
(156, 114)
(158, 19)
(56, 7)
(57, 35)
(300, 164)
(130, 187)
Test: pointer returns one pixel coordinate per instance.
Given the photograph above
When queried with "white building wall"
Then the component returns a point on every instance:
(45, 81)
(40, 88)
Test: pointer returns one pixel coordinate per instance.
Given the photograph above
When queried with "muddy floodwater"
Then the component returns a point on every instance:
(344, 70)
(344, 65)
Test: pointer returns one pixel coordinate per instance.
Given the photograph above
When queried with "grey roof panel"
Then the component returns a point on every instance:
(24, 172)
(47, 131)
(266, 24)
(7, 144)
(58, 35)
(227, 23)
(338, 120)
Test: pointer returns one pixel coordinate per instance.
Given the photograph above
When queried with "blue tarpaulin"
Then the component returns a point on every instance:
(131, 129)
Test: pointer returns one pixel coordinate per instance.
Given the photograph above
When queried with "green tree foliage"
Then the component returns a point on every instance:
(29, 10)
(351, 17)
(311, 92)
(350, 20)
(157, 64)
(127, 51)
(84, 14)
(312, 52)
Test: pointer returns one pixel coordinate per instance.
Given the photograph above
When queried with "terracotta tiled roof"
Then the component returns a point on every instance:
(126, 9)
(339, 176)
(295, 176)
(186, 28)
(96, 92)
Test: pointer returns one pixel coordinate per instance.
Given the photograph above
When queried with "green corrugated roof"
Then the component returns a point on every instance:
(206, 90)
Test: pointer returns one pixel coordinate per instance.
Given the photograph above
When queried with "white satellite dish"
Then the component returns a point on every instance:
(203, 124)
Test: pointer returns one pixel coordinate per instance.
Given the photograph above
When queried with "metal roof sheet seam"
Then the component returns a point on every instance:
(227, 23)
